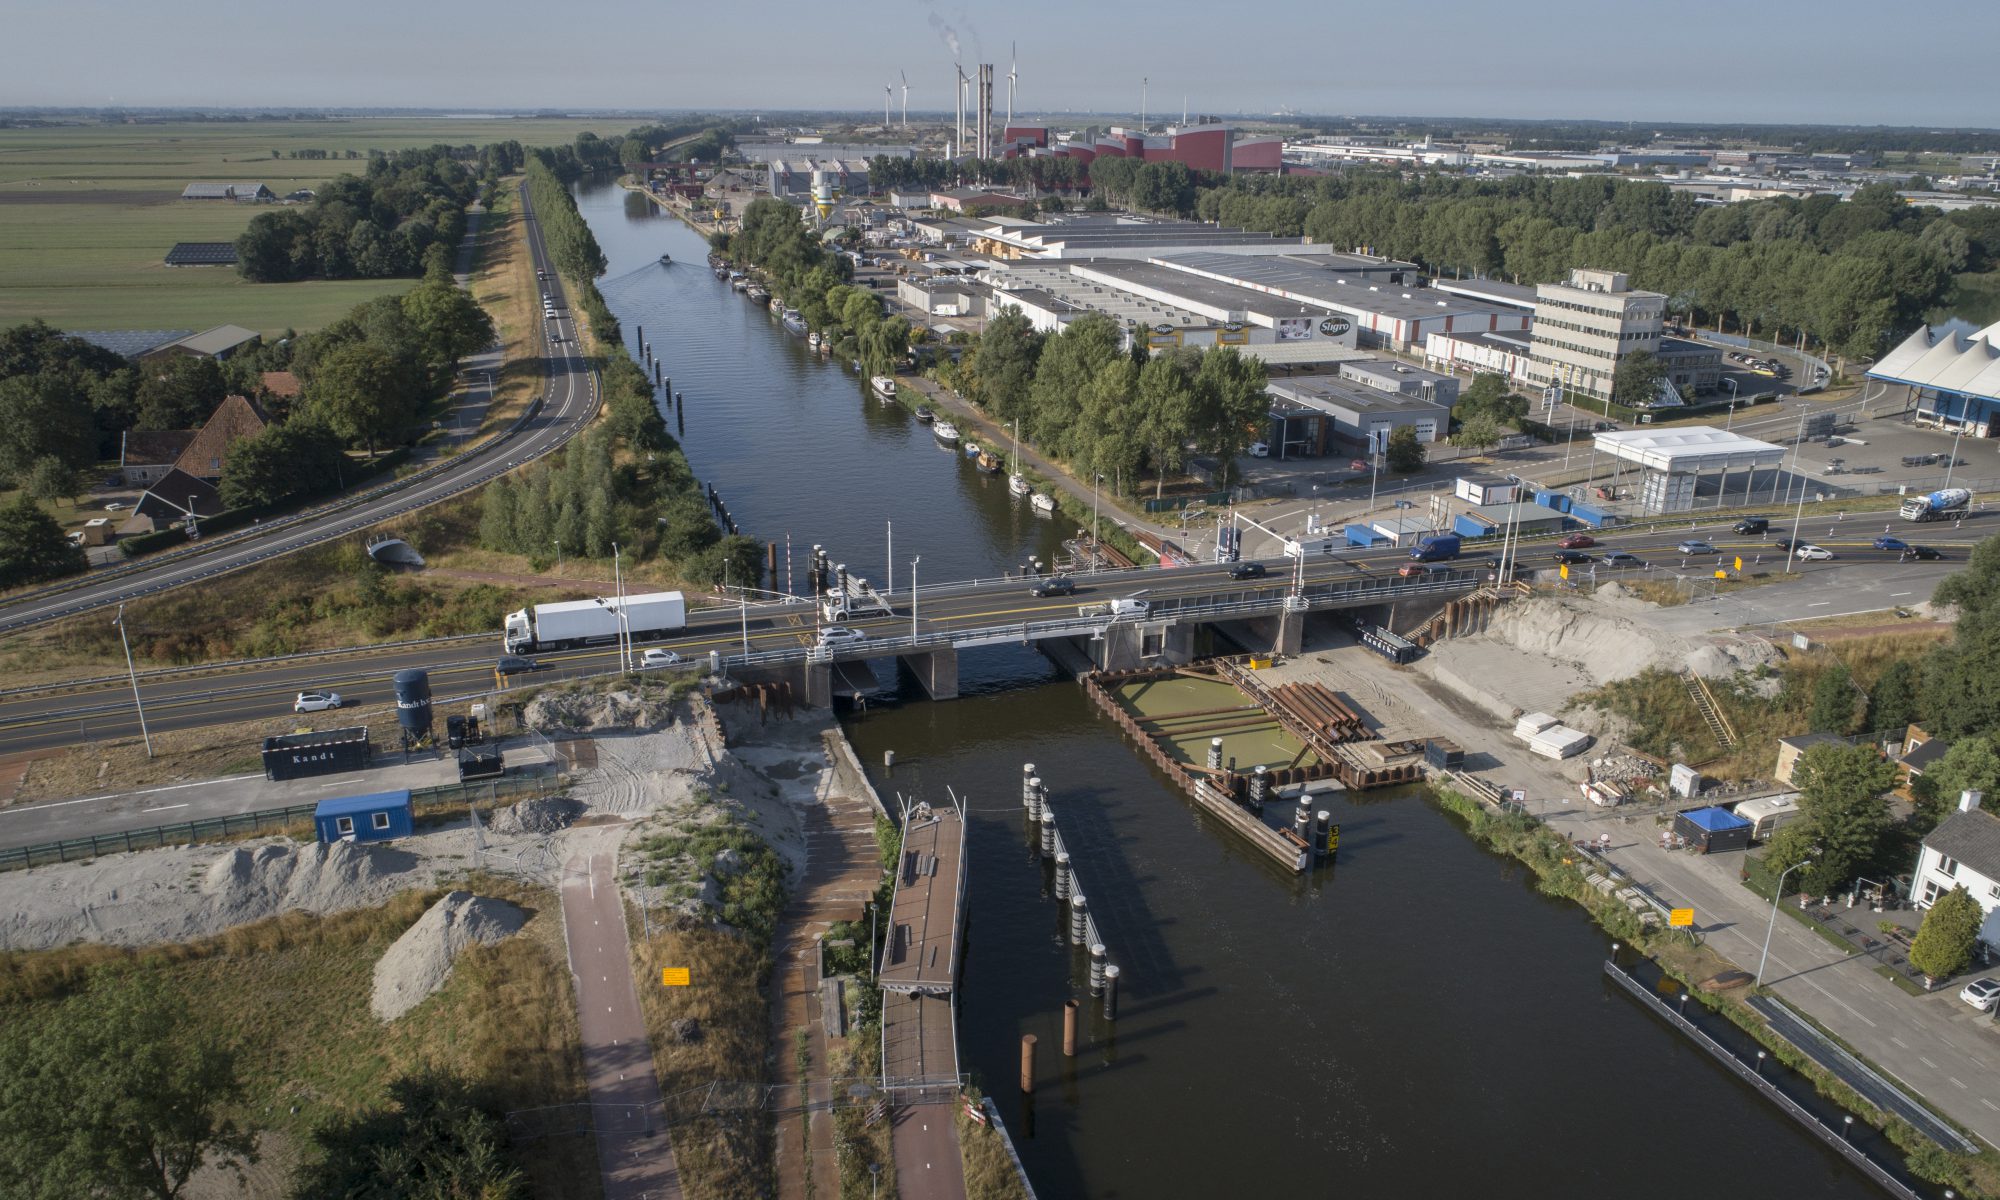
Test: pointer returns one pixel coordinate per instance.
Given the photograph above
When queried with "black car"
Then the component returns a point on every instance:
(1787, 544)
(1054, 585)
(1753, 525)
(1566, 557)
(1924, 553)
(515, 665)
(1247, 570)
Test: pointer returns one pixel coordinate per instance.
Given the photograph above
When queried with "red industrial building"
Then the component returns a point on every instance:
(1200, 147)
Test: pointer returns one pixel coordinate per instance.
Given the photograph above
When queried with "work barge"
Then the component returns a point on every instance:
(1336, 749)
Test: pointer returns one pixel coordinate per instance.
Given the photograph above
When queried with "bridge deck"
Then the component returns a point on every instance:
(921, 952)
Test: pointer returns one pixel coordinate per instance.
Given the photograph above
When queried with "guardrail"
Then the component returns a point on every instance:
(423, 801)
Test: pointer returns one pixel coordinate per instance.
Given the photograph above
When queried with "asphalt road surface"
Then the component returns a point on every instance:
(61, 716)
(569, 402)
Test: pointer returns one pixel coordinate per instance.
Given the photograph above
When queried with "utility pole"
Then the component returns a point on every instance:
(134, 675)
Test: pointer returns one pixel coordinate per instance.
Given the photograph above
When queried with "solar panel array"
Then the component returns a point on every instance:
(202, 254)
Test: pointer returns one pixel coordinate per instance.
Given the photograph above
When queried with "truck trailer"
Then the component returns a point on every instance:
(1949, 502)
(573, 623)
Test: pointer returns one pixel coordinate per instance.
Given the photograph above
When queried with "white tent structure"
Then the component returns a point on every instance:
(1954, 373)
(1674, 460)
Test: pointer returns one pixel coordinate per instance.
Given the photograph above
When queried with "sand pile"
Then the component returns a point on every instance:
(419, 962)
(1607, 644)
(566, 711)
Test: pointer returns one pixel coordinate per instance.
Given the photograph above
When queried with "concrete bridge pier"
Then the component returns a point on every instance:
(1286, 631)
(937, 671)
(812, 683)
(1126, 646)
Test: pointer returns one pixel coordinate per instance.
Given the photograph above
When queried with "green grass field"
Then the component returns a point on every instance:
(88, 212)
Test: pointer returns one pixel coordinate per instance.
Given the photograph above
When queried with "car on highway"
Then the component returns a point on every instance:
(1981, 994)
(659, 658)
(514, 664)
(316, 702)
(1811, 553)
(1924, 553)
(1752, 525)
(1054, 585)
(1619, 558)
(1695, 546)
(1566, 557)
(1786, 544)
(1247, 570)
(840, 635)
(1886, 542)
(1410, 570)
(1577, 541)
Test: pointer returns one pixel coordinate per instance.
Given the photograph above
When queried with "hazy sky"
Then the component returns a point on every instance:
(1838, 61)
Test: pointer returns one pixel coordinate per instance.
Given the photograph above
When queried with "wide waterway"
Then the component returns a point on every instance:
(1414, 1021)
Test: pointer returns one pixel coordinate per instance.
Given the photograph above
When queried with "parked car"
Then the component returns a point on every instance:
(1891, 543)
(840, 635)
(1577, 541)
(1619, 558)
(1812, 553)
(1259, 450)
(659, 658)
(1695, 546)
(1567, 557)
(1752, 525)
(1247, 570)
(1054, 585)
(514, 664)
(316, 702)
(1981, 994)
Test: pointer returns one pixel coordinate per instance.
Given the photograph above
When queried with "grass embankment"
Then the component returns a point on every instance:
(989, 1171)
(1666, 723)
(293, 994)
(504, 284)
(1684, 958)
(713, 1072)
(89, 211)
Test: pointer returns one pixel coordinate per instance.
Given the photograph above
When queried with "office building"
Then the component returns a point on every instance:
(1584, 328)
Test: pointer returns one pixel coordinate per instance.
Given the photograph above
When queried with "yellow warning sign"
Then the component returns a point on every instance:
(1739, 562)
(674, 976)
(1565, 570)
(1722, 574)
(1681, 918)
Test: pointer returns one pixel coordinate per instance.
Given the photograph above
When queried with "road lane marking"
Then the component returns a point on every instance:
(1927, 1062)
(1893, 595)
(172, 787)
(1899, 1041)
(165, 807)
(1954, 1079)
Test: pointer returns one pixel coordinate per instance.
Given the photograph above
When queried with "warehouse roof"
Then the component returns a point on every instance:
(1947, 359)
(1695, 448)
(1322, 391)
(130, 342)
(1192, 289)
(1318, 280)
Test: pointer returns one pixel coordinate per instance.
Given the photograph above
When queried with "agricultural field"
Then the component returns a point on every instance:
(88, 212)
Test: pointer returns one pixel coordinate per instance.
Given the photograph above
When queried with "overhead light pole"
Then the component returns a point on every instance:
(913, 596)
(1777, 894)
(131, 672)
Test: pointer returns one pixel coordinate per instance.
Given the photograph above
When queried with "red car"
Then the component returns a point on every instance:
(1409, 569)
(1577, 541)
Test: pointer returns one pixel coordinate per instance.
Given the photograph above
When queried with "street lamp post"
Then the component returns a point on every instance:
(1953, 464)
(1095, 480)
(119, 621)
(558, 556)
(889, 528)
(1776, 894)
(913, 596)
(624, 629)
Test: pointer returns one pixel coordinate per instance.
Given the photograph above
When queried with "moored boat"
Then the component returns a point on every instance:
(739, 281)
(945, 431)
(924, 414)
(812, 339)
(972, 450)
(989, 462)
(884, 386)
(757, 294)
(794, 323)
(666, 260)
(1043, 502)
(1019, 485)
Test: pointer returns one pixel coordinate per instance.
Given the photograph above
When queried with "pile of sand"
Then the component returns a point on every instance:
(419, 962)
(586, 709)
(539, 814)
(1607, 644)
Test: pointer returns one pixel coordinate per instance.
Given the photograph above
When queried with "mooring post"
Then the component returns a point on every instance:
(1111, 992)
(1048, 830)
(1097, 970)
(1028, 1063)
(639, 335)
(1215, 754)
(1062, 875)
(1322, 833)
(1259, 785)
(1069, 1027)
(1302, 823)
(1028, 782)
(1079, 920)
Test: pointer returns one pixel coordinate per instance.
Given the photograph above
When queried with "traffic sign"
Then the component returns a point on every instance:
(1739, 562)
(1565, 570)
(674, 976)
(1681, 918)
(1721, 574)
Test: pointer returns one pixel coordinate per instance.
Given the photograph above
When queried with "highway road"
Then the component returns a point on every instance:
(70, 714)
(569, 401)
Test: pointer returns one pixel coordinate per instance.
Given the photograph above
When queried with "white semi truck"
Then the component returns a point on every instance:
(574, 623)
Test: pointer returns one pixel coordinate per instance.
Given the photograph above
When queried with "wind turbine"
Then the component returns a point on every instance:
(1013, 72)
(906, 96)
(887, 94)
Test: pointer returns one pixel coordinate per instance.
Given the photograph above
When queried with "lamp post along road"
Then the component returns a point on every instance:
(913, 596)
(1777, 894)
(134, 675)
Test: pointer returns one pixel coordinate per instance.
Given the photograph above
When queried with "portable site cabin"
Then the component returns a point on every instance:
(1768, 814)
(324, 752)
(376, 817)
(1712, 830)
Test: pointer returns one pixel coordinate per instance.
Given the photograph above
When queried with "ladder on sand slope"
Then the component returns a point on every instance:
(1697, 689)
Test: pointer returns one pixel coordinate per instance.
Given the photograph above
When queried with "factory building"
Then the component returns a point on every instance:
(1122, 235)
(1364, 417)
(1201, 147)
(793, 178)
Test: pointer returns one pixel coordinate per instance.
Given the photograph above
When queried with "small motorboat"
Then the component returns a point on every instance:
(777, 304)
(757, 294)
(972, 450)
(739, 281)
(924, 414)
(945, 431)
(1043, 503)
(666, 260)
(812, 339)
(884, 385)
(989, 462)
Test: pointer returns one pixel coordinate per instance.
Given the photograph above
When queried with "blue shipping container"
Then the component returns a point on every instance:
(372, 818)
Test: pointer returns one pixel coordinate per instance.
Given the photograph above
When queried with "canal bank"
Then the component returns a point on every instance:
(1416, 1019)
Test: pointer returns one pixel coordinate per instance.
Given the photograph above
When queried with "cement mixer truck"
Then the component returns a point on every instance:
(1938, 506)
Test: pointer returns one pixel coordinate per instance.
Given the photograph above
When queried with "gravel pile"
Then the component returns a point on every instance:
(418, 963)
(540, 814)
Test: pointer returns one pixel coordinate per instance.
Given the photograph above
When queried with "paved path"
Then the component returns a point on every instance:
(633, 1154)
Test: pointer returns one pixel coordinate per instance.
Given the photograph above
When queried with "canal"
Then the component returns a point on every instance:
(1416, 1020)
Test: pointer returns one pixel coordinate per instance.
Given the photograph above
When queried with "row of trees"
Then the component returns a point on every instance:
(811, 279)
(1850, 275)
(397, 219)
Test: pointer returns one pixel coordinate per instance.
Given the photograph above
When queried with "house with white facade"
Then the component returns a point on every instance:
(1964, 850)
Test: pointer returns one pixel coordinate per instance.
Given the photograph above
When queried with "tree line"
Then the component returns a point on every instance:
(398, 218)
(805, 275)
